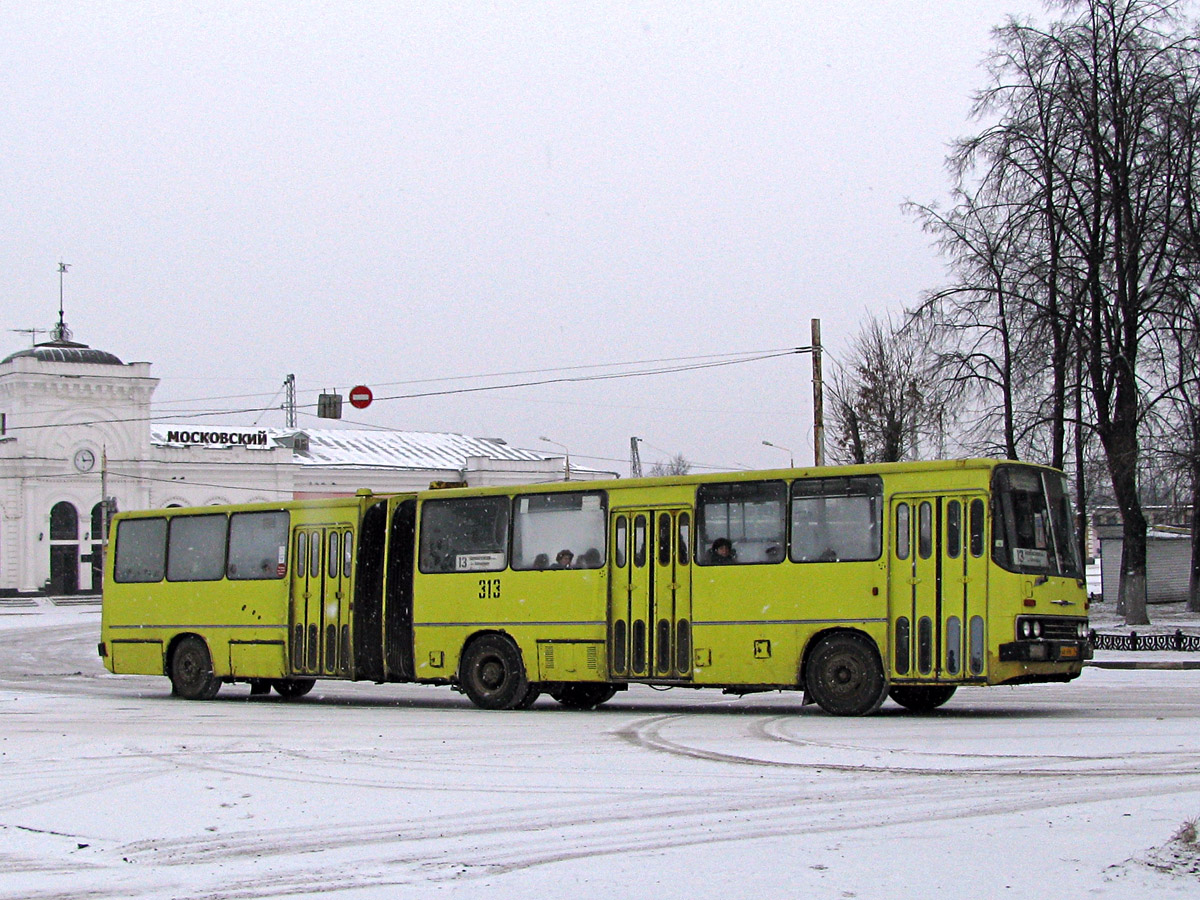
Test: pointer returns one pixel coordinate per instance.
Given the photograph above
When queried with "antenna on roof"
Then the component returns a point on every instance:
(61, 332)
(32, 332)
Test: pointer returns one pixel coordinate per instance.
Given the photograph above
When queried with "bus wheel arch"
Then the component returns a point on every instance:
(190, 668)
(844, 673)
(491, 672)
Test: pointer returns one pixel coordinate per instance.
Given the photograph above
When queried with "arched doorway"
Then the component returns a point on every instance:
(96, 554)
(64, 548)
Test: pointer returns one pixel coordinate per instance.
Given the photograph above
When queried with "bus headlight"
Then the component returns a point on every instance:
(1037, 628)
(1026, 628)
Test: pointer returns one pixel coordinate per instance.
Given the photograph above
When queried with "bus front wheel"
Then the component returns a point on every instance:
(291, 688)
(192, 675)
(921, 697)
(492, 674)
(845, 677)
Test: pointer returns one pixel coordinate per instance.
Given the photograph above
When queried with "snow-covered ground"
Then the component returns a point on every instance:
(109, 788)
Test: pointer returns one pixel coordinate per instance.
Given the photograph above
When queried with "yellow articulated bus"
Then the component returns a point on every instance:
(850, 584)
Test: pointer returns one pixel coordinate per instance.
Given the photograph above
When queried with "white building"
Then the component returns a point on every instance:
(76, 424)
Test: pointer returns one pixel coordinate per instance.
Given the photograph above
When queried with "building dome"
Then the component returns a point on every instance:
(63, 349)
(66, 351)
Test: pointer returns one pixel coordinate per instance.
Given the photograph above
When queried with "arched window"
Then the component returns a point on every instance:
(64, 522)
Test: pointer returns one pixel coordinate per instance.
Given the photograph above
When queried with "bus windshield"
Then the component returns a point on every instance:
(1034, 528)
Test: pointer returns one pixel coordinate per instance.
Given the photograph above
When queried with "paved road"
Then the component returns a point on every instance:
(111, 788)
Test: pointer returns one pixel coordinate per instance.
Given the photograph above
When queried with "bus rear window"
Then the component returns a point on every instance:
(141, 551)
(1034, 530)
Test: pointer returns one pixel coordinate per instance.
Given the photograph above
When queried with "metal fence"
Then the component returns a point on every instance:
(1135, 641)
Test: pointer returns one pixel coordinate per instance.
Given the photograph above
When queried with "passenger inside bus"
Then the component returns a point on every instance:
(722, 552)
(563, 560)
(541, 561)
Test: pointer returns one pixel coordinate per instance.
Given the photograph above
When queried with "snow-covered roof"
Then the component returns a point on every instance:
(354, 447)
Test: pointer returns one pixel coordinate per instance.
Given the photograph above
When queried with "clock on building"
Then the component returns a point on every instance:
(85, 460)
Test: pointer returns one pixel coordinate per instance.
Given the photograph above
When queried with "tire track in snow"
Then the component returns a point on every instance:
(648, 735)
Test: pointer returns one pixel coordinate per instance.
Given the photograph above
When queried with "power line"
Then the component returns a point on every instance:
(722, 360)
(452, 378)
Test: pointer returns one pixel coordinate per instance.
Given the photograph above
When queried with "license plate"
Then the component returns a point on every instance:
(1068, 652)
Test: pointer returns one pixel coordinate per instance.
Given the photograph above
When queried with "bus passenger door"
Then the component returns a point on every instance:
(650, 607)
(671, 593)
(630, 599)
(335, 613)
(964, 586)
(937, 587)
(321, 600)
(308, 585)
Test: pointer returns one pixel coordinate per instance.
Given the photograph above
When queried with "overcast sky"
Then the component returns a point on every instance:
(384, 193)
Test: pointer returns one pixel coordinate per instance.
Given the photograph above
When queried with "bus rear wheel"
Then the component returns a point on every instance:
(585, 695)
(492, 674)
(291, 688)
(845, 677)
(921, 697)
(192, 675)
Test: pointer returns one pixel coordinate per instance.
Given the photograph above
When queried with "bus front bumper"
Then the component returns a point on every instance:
(1045, 651)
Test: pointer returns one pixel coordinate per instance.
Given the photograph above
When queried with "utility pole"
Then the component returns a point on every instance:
(104, 510)
(635, 458)
(818, 397)
(289, 402)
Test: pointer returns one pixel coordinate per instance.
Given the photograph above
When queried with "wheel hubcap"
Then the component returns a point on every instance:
(491, 674)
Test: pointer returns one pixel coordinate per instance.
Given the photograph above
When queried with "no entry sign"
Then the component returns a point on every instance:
(361, 397)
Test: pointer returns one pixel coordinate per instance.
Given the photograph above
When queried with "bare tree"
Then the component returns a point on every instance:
(1066, 234)
(676, 465)
(883, 398)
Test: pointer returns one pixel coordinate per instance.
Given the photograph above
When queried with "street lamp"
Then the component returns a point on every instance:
(791, 458)
(566, 456)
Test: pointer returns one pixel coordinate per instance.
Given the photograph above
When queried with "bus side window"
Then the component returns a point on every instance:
(466, 534)
(544, 525)
(335, 554)
(301, 552)
(141, 549)
(315, 550)
(903, 531)
(685, 538)
(257, 545)
(750, 516)
(836, 519)
(196, 548)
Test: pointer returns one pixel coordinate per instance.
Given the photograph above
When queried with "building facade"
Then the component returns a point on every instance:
(77, 426)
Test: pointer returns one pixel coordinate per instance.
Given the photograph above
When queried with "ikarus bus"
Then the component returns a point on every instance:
(848, 584)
